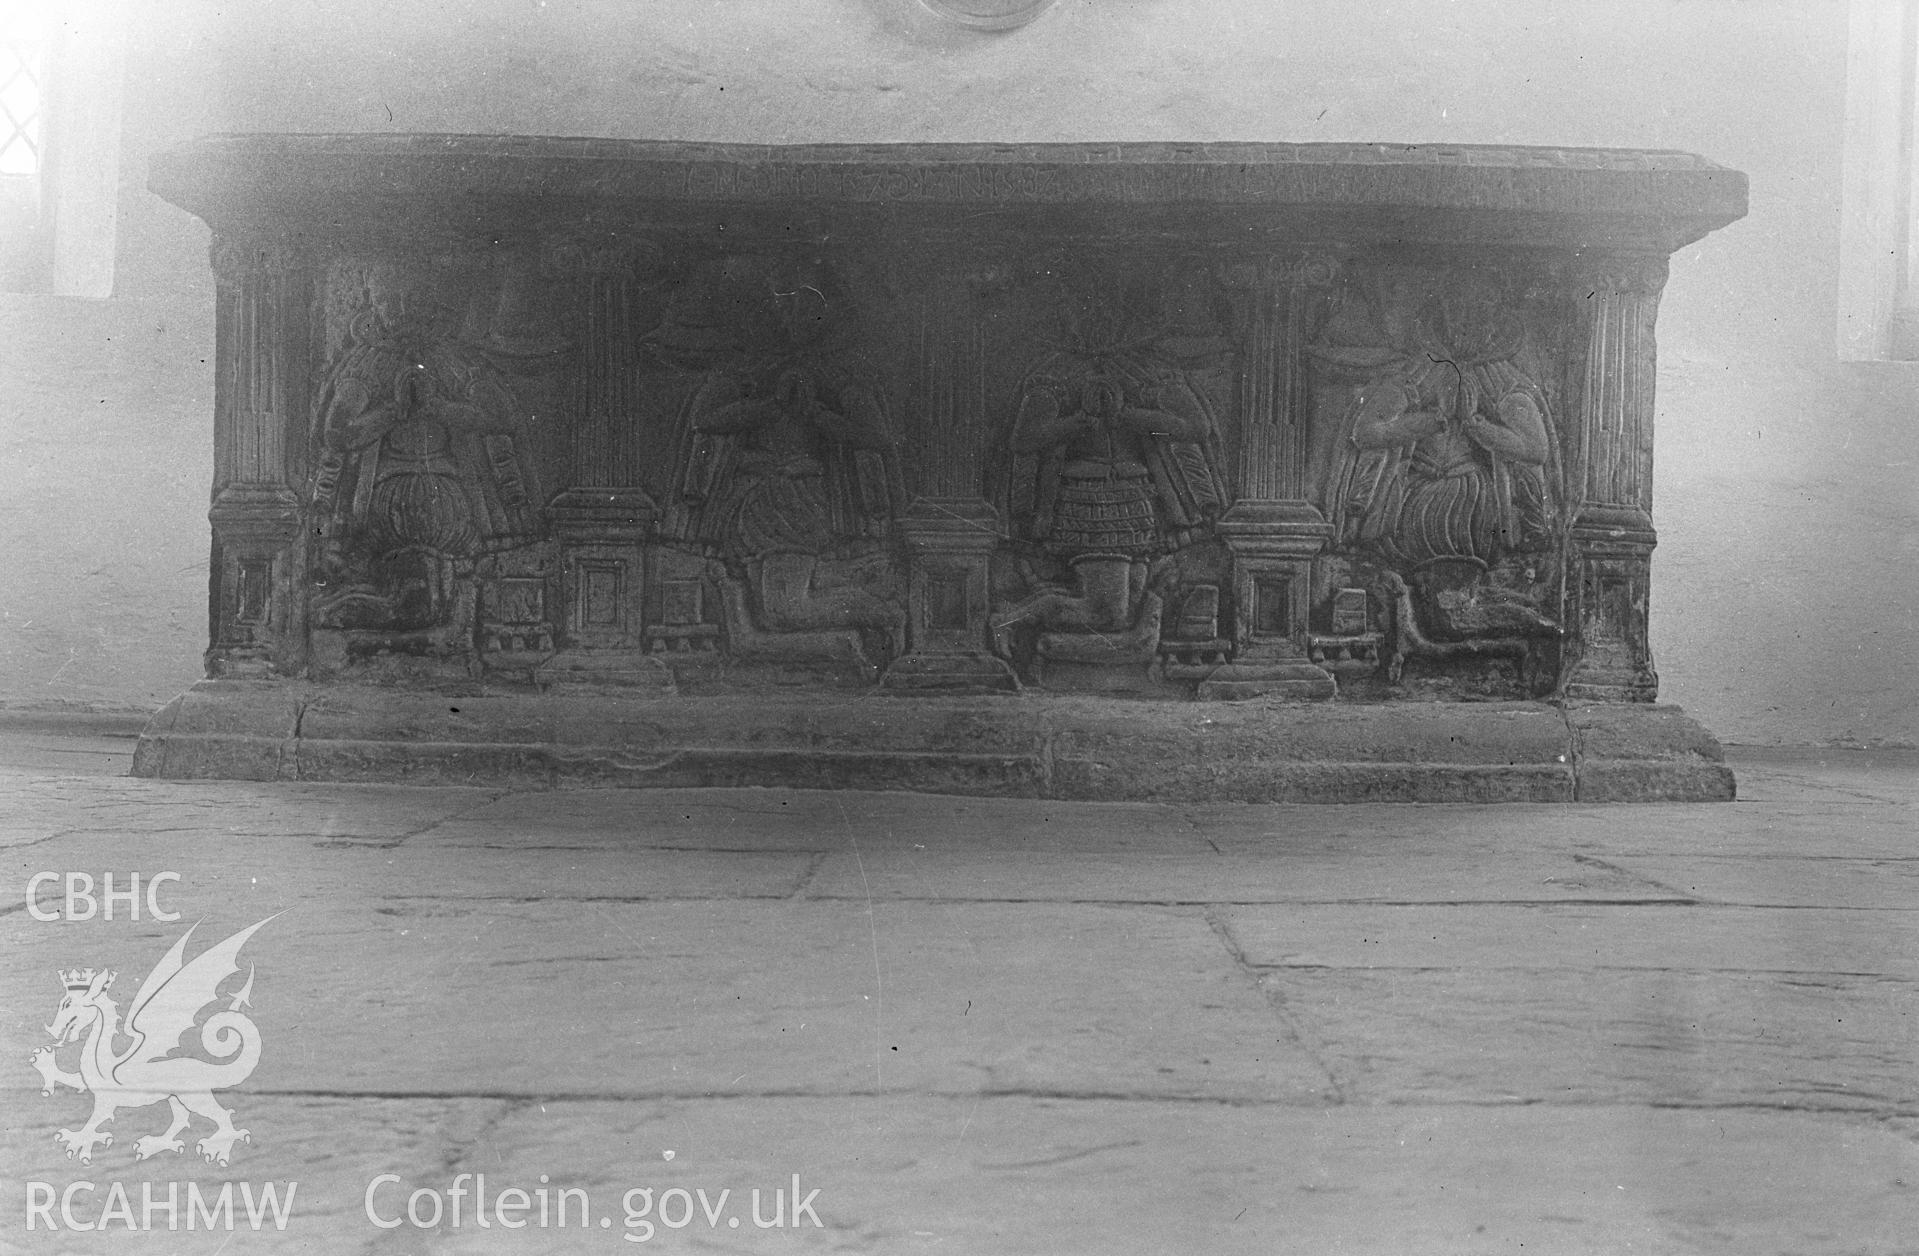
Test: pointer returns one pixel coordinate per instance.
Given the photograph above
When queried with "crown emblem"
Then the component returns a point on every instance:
(81, 978)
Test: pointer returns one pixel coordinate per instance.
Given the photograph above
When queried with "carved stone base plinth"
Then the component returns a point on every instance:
(1031, 746)
(624, 669)
(849, 674)
(1298, 680)
(1131, 680)
(949, 672)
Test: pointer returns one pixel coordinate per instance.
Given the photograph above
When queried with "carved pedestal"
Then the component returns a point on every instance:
(600, 535)
(1273, 544)
(949, 550)
(256, 531)
(1108, 434)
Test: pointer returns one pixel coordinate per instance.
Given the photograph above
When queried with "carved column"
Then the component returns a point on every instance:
(602, 518)
(949, 528)
(262, 393)
(1274, 530)
(1612, 533)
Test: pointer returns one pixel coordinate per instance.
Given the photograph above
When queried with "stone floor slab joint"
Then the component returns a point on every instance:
(1275, 1000)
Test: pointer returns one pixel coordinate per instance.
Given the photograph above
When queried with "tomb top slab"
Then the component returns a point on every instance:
(1568, 197)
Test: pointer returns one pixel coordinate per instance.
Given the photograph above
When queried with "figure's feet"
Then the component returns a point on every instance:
(150, 1145)
(1003, 637)
(217, 1147)
(82, 1143)
(1465, 618)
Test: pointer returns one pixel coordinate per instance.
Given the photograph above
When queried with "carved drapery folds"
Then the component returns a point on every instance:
(784, 471)
(1164, 437)
(1112, 457)
(424, 487)
(1439, 463)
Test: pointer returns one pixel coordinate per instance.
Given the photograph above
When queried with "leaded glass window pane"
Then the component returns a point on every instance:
(26, 35)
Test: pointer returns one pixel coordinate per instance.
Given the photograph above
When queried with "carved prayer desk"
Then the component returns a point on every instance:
(1124, 470)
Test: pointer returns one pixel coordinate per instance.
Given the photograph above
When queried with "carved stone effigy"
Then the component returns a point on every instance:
(635, 461)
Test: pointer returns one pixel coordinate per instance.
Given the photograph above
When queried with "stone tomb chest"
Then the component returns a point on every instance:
(1127, 470)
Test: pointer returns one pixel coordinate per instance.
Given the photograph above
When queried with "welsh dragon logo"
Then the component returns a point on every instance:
(165, 1011)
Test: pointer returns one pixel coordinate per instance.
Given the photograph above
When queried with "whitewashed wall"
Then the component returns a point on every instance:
(1784, 587)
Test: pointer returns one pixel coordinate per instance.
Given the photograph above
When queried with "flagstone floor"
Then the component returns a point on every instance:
(962, 1025)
